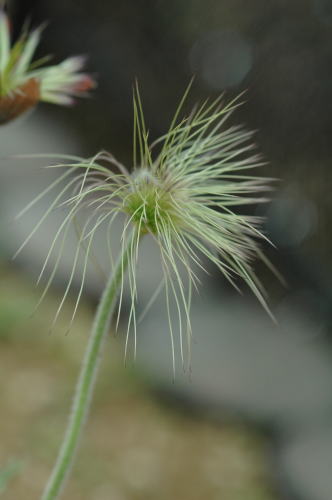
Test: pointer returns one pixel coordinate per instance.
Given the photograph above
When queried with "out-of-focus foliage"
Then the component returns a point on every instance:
(7, 472)
(134, 448)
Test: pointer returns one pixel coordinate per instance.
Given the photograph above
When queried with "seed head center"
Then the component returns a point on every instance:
(150, 204)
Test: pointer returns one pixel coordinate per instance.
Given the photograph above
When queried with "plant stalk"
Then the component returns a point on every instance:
(87, 377)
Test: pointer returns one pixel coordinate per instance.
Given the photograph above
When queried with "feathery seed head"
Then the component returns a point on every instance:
(23, 82)
(183, 196)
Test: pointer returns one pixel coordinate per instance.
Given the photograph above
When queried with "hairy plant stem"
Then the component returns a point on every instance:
(87, 377)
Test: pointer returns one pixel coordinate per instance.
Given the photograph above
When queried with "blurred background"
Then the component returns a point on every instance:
(254, 421)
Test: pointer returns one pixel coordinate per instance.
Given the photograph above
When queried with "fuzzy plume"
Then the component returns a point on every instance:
(182, 191)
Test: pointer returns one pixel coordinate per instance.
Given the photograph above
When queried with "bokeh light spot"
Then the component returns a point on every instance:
(221, 58)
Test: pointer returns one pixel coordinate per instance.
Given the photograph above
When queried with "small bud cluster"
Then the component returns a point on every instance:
(23, 83)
